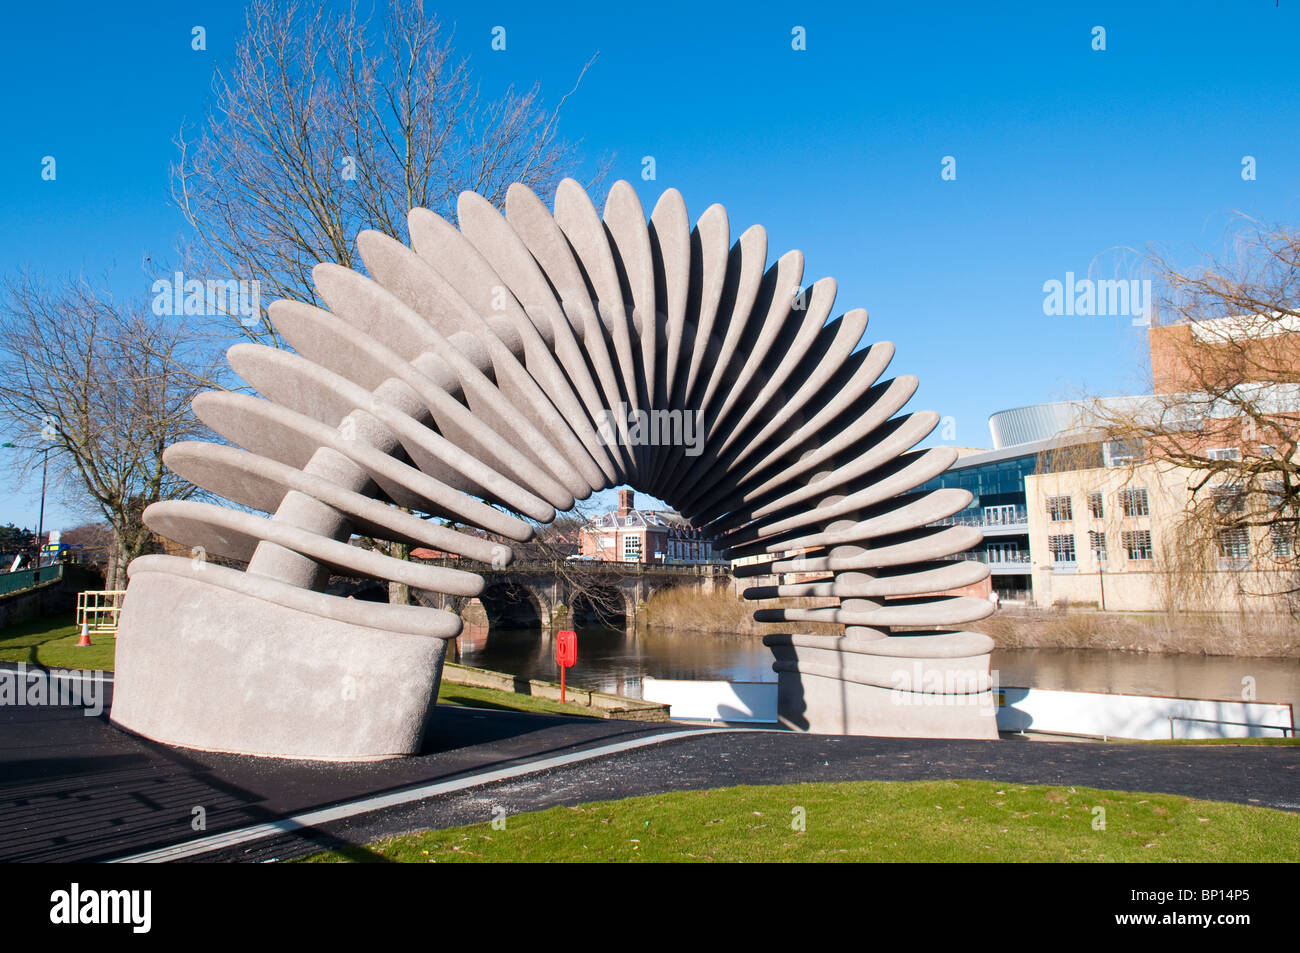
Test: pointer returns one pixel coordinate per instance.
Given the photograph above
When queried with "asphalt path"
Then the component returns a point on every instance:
(74, 787)
(1265, 776)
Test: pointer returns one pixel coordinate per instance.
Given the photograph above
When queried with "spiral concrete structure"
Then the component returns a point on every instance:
(490, 376)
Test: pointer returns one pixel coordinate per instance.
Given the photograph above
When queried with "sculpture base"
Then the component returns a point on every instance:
(904, 686)
(203, 663)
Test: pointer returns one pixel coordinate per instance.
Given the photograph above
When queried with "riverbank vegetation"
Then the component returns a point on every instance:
(722, 610)
(1255, 635)
(1246, 635)
(948, 821)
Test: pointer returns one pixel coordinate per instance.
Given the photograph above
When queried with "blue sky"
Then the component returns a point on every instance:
(1064, 155)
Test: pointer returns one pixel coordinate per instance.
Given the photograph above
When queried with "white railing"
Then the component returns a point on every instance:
(994, 557)
(991, 518)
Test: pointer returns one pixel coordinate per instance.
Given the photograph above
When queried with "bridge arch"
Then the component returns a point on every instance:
(601, 605)
(511, 605)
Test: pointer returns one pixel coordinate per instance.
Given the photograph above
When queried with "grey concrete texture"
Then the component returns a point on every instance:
(312, 687)
(477, 377)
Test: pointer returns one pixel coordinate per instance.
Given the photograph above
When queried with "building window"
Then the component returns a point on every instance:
(1283, 526)
(629, 520)
(1234, 543)
(1006, 515)
(1229, 499)
(1003, 553)
(1223, 453)
(631, 549)
(1061, 548)
(1121, 453)
(1094, 505)
(1281, 534)
(1097, 543)
(1134, 502)
(1137, 545)
(1058, 509)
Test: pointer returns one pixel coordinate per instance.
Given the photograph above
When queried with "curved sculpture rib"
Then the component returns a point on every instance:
(474, 377)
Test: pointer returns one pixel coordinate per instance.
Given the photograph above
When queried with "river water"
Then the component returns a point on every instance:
(610, 660)
(615, 661)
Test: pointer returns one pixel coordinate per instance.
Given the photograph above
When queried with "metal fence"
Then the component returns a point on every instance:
(992, 517)
(993, 557)
(26, 578)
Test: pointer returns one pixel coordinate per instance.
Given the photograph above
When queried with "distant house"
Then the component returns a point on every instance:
(425, 553)
(658, 537)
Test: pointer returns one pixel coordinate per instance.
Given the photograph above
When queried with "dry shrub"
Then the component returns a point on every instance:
(1254, 635)
(721, 610)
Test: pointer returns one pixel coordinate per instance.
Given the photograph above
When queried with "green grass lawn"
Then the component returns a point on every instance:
(473, 697)
(865, 821)
(52, 643)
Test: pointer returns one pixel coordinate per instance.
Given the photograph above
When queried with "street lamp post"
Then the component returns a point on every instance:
(40, 526)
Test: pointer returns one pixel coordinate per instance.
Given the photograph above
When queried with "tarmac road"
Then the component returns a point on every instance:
(76, 788)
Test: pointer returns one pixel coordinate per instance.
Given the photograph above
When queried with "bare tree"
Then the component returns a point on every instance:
(550, 549)
(327, 124)
(1225, 410)
(103, 390)
(587, 582)
(92, 544)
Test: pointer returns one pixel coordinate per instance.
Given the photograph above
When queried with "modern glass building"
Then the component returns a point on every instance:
(996, 479)
(1054, 478)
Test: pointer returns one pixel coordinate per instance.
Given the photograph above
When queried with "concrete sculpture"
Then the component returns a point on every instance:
(485, 376)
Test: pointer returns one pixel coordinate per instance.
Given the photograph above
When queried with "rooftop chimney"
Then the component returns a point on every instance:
(624, 502)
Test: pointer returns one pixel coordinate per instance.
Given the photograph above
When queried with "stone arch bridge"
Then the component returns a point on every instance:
(554, 593)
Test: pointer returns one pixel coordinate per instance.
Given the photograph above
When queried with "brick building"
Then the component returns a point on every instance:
(659, 537)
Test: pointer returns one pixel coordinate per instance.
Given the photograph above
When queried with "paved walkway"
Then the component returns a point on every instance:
(76, 788)
(1263, 776)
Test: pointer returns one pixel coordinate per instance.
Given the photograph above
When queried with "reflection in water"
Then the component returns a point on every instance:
(615, 661)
